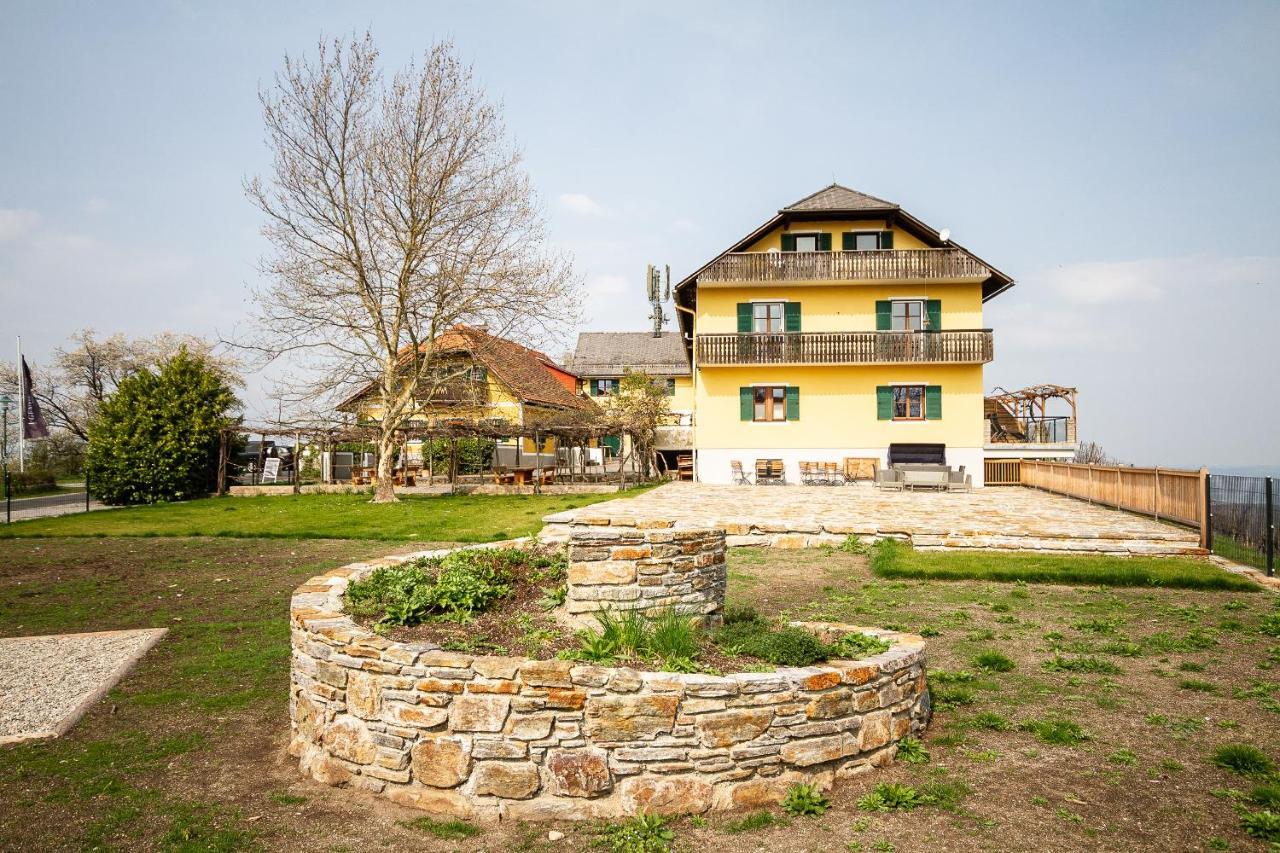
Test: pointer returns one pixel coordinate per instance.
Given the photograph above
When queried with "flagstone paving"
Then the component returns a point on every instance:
(801, 516)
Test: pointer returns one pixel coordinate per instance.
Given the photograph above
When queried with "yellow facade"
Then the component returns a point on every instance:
(838, 412)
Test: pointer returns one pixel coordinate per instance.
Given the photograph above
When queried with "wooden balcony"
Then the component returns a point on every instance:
(889, 265)
(968, 346)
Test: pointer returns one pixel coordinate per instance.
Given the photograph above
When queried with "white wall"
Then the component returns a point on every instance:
(713, 465)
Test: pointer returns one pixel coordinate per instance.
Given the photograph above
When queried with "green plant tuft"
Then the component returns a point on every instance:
(912, 751)
(1243, 758)
(643, 833)
(993, 661)
(805, 801)
(1056, 731)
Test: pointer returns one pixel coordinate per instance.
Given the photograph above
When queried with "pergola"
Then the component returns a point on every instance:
(1031, 403)
(567, 431)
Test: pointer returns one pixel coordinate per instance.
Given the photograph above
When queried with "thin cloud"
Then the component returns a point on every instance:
(1152, 279)
(16, 223)
(608, 285)
(582, 204)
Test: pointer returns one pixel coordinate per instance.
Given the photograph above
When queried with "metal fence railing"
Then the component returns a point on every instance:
(1242, 514)
(21, 503)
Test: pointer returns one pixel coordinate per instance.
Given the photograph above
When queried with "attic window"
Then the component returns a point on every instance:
(806, 242)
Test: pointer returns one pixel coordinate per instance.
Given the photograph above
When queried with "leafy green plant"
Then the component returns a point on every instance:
(805, 800)
(952, 696)
(1127, 757)
(595, 647)
(1056, 731)
(1270, 625)
(554, 597)
(853, 545)
(790, 646)
(891, 796)
(858, 645)
(993, 661)
(643, 833)
(455, 586)
(1243, 758)
(912, 751)
(1263, 825)
(990, 721)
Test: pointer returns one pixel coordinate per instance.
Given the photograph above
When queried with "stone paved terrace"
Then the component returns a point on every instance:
(1012, 518)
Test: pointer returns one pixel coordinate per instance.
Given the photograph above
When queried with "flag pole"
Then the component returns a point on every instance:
(22, 412)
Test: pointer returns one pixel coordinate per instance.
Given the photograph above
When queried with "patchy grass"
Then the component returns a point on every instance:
(446, 830)
(893, 559)
(430, 518)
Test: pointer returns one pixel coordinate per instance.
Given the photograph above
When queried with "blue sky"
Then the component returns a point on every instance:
(1118, 160)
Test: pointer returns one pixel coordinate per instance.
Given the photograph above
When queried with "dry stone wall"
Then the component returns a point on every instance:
(645, 568)
(512, 738)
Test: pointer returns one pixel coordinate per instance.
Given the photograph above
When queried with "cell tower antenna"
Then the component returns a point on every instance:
(658, 291)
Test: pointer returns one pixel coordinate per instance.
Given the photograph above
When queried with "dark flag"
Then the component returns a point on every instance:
(33, 425)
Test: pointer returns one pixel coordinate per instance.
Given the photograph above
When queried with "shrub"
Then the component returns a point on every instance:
(1243, 758)
(1055, 731)
(805, 800)
(891, 796)
(787, 647)
(738, 613)
(993, 661)
(641, 834)
(156, 437)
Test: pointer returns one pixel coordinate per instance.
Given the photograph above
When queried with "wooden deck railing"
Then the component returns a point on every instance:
(1002, 472)
(971, 346)
(1058, 429)
(881, 265)
(1165, 493)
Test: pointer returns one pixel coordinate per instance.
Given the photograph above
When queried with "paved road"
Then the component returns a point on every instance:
(45, 506)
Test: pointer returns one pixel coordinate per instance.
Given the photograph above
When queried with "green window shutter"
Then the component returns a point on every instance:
(886, 239)
(848, 242)
(933, 311)
(746, 404)
(824, 242)
(744, 318)
(793, 403)
(788, 242)
(791, 316)
(884, 315)
(933, 402)
(884, 402)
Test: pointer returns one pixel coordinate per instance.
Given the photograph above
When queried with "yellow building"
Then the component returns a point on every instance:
(602, 358)
(843, 327)
(486, 378)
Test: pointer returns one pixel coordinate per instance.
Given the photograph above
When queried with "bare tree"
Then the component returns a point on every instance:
(396, 210)
(637, 410)
(83, 374)
(1091, 453)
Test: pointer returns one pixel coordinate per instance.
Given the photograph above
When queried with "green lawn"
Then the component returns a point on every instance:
(441, 518)
(892, 559)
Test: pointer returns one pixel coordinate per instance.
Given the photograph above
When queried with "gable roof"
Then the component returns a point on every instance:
(839, 200)
(526, 372)
(612, 353)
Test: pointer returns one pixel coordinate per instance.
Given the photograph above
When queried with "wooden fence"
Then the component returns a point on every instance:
(1002, 472)
(1169, 494)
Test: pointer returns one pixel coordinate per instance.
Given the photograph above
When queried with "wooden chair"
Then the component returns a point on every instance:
(831, 474)
(770, 472)
(740, 477)
(808, 473)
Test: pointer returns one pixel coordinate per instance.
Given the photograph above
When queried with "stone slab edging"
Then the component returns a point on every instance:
(496, 737)
(785, 533)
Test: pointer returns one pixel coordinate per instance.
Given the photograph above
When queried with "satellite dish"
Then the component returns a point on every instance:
(944, 235)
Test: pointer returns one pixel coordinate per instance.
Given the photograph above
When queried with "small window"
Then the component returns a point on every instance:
(866, 242)
(604, 387)
(478, 374)
(908, 402)
(770, 403)
(906, 315)
(806, 242)
(766, 317)
(671, 387)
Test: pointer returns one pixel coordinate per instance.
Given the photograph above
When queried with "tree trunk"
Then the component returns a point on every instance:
(385, 491)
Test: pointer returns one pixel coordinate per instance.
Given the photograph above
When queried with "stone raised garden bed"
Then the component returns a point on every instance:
(509, 737)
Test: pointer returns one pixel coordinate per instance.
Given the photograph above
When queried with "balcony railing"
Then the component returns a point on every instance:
(971, 346)
(880, 265)
(1052, 429)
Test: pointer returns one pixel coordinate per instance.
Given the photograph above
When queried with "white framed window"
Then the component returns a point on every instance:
(767, 317)
(906, 315)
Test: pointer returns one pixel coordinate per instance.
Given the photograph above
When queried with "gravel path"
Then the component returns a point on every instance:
(47, 683)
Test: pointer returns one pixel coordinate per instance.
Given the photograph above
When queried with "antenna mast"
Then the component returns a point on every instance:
(659, 291)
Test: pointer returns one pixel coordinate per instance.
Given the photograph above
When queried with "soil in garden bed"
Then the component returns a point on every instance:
(521, 623)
